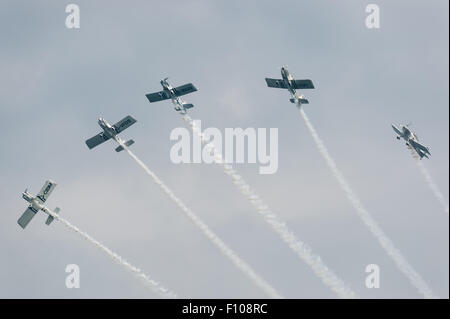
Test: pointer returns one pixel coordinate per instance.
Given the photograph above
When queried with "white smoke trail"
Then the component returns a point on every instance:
(228, 252)
(300, 248)
(154, 285)
(415, 279)
(437, 193)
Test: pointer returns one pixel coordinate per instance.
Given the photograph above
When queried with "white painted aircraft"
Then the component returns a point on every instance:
(412, 141)
(37, 204)
(288, 82)
(174, 94)
(111, 131)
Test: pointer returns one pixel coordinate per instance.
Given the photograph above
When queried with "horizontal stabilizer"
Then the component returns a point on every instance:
(301, 101)
(49, 219)
(420, 147)
(127, 143)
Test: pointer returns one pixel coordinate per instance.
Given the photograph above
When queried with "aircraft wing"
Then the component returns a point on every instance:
(26, 217)
(96, 140)
(419, 146)
(158, 96)
(124, 123)
(184, 89)
(275, 83)
(303, 84)
(46, 190)
(397, 130)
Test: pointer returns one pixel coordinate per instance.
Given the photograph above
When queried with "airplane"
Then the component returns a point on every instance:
(288, 82)
(37, 204)
(111, 131)
(412, 141)
(174, 94)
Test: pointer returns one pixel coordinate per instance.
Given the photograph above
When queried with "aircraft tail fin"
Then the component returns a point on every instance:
(50, 218)
(127, 143)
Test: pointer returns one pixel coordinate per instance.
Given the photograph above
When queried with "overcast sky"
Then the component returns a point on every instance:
(55, 82)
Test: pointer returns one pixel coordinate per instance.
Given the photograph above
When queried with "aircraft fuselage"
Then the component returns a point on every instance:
(175, 99)
(411, 140)
(407, 134)
(108, 129)
(33, 200)
(287, 79)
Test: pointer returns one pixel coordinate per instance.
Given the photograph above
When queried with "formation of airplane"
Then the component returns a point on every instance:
(287, 82)
(174, 94)
(37, 204)
(412, 141)
(168, 92)
(110, 132)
